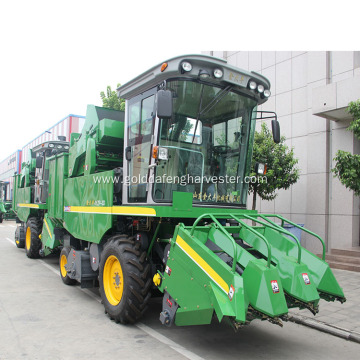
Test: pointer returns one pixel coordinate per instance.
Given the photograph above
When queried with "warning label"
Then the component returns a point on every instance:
(275, 286)
(306, 278)
(231, 292)
(168, 270)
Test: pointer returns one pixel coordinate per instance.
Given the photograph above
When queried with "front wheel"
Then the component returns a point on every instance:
(125, 279)
(32, 239)
(1, 218)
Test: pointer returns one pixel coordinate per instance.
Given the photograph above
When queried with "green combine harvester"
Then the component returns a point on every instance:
(156, 198)
(6, 212)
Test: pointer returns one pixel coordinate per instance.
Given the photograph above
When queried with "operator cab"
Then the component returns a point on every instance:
(190, 128)
(3, 191)
(41, 153)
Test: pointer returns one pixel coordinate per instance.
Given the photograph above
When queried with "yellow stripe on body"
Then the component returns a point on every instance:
(114, 210)
(202, 264)
(32, 206)
(47, 228)
(90, 209)
(133, 210)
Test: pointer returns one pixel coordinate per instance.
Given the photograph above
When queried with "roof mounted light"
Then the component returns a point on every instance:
(186, 66)
(218, 73)
(203, 74)
(267, 93)
(252, 85)
(260, 88)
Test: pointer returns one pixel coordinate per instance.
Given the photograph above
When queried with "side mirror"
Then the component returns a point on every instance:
(164, 104)
(39, 162)
(274, 123)
(275, 131)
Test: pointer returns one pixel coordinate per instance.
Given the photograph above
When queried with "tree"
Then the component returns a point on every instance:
(281, 165)
(347, 167)
(111, 100)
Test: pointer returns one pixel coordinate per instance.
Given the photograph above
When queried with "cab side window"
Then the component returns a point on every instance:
(141, 122)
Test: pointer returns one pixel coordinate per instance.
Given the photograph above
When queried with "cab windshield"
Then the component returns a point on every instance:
(207, 140)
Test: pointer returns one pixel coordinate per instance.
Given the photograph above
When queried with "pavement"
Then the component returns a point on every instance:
(37, 324)
(342, 320)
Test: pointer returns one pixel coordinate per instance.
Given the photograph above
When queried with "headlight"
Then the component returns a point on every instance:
(59, 146)
(260, 88)
(66, 147)
(51, 145)
(186, 66)
(218, 73)
(267, 93)
(160, 153)
(260, 168)
(163, 153)
(252, 85)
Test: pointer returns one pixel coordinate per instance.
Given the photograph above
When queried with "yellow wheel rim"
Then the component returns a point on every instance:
(28, 238)
(113, 280)
(63, 262)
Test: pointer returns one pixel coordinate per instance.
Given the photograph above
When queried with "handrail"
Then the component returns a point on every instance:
(276, 227)
(227, 234)
(204, 216)
(154, 237)
(212, 217)
(257, 234)
(302, 228)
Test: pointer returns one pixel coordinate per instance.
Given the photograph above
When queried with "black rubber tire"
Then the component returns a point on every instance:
(20, 236)
(136, 279)
(33, 225)
(1, 218)
(66, 279)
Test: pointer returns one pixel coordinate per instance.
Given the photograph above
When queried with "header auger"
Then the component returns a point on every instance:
(155, 198)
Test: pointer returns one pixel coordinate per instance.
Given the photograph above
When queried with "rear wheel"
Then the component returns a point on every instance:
(124, 279)
(32, 240)
(62, 262)
(1, 218)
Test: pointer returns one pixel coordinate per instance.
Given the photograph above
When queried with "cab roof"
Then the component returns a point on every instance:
(231, 75)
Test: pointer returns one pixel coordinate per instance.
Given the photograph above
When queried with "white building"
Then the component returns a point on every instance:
(12, 164)
(64, 127)
(310, 92)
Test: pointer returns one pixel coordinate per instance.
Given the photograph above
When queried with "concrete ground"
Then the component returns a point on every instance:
(336, 316)
(41, 318)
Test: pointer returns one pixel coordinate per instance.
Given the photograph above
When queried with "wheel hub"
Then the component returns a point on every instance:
(117, 280)
(28, 238)
(63, 262)
(113, 280)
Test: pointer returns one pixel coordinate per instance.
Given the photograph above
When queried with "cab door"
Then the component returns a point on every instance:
(141, 117)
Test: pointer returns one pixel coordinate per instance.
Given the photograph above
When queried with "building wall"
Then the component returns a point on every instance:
(8, 167)
(67, 125)
(12, 164)
(317, 200)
